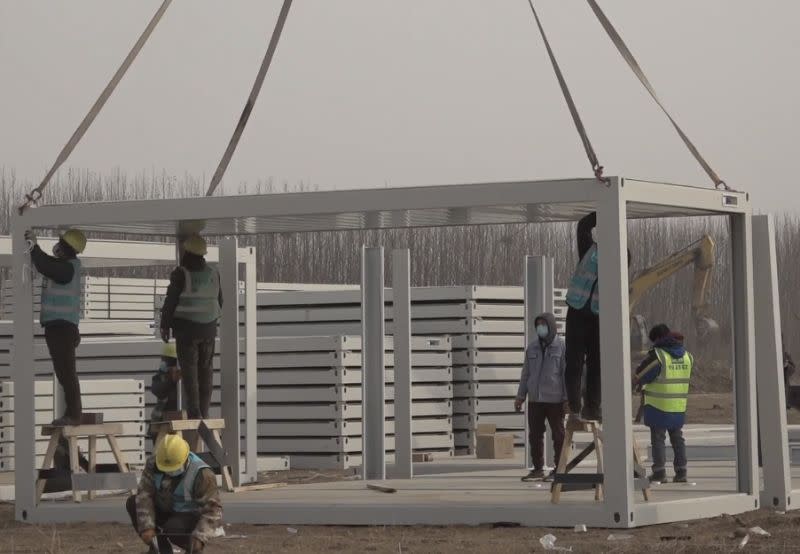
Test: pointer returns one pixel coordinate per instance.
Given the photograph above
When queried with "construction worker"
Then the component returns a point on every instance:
(177, 501)
(664, 377)
(164, 385)
(788, 370)
(542, 383)
(583, 327)
(60, 313)
(190, 312)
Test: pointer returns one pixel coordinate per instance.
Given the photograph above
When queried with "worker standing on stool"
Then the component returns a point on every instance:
(61, 312)
(164, 386)
(542, 382)
(664, 377)
(177, 500)
(191, 310)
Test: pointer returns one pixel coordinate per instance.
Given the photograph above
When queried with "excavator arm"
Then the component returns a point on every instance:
(701, 255)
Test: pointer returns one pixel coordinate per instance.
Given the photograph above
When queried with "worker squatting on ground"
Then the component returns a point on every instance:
(164, 385)
(61, 312)
(664, 377)
(542, 383)
(583, 326)
(177, 500)
(191, 310)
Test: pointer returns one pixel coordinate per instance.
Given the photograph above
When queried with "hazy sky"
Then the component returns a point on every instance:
(366, 93)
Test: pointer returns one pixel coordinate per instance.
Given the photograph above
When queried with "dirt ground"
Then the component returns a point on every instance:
(723, 534)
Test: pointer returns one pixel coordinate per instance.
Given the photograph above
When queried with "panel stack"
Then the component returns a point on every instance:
(310, 399)
(119, 400)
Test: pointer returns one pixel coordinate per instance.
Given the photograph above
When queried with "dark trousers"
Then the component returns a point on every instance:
(176, 527)
(658, 441)
(195, 357)
(583, 346)
(538, 413)
(62, 340)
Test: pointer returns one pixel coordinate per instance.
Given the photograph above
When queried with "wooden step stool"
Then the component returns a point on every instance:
(93, 480)
(207, 430)
(563, 481)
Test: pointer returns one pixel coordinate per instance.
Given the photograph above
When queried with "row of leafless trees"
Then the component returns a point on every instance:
(490, 255)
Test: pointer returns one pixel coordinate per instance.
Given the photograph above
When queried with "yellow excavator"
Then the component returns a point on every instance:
(699, 253)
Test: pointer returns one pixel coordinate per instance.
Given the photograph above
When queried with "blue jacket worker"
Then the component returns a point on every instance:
(542, 383)
(664, 377)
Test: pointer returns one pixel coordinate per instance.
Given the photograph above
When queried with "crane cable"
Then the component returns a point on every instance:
(251, 100)
(637, 70)
(597, 169)
(36, 194)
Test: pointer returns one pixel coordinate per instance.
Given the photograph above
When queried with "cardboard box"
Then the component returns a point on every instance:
(491, 445)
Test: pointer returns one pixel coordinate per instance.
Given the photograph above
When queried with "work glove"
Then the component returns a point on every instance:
(148, 536)
(165, 334)
(518, 405)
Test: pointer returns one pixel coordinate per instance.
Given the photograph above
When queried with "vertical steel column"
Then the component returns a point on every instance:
(769, 368)
(744, 355)
(538, 293)
(229, 354)
(178, 256)
(401, 310)
(372, 367)
(251, 365)
(615, 359)
(23, 375)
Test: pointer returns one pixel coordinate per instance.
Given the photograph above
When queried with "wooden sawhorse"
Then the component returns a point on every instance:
(207, 430)
(563, 481)
(91, 481)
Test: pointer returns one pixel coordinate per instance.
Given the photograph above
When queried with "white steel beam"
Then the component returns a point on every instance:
(695, 198)
(615, 362)
(401, 310)
(229, 354)
(23, 376)
(251, 364)
(769, 366)
(372, 373)
(744, 356)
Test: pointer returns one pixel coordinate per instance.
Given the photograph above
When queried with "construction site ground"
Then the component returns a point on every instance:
(722, 534)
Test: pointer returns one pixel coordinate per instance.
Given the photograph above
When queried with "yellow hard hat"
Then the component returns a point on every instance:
(76, 239)
(169, 351)
(172, 453)
(195, 245)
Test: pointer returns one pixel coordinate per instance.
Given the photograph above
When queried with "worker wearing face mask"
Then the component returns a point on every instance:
(542, 383)
(177, 501)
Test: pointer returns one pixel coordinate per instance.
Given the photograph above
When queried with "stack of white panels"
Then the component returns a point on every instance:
(119, 400)
(310, 399)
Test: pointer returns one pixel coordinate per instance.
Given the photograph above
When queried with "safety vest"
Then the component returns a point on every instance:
(199, 301)
(670, 391)
(182, 500)
(62, 302)
(584, 283)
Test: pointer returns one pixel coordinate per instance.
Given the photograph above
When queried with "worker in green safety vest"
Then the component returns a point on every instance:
(664, 377)
(61, 312)
(190, 312)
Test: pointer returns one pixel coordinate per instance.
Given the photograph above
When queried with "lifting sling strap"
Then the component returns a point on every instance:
(251, 100)
(637, 70)
(35, 195)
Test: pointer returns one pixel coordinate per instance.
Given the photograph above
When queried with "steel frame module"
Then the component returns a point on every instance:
(518, 202)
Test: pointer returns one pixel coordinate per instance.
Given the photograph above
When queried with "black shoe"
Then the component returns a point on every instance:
(658, 477)
(534, 475)
(680, 478)
(592, 414)
(65, 421)
(550, 477)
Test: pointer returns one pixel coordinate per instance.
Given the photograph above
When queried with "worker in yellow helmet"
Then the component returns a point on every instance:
(61, 312)
(164, 385)
(190, 312)
(177, 501)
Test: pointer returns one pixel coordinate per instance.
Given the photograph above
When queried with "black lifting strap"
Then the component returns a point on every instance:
(597, 169)
(637, 70)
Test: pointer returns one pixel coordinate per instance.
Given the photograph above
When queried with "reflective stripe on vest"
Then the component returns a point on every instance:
(182, 500)
(62, 302)
(670, 391)
(199, 301)
(584, 282)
